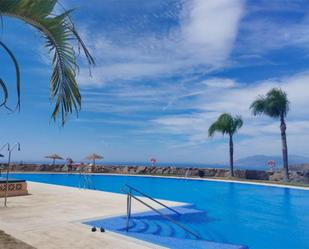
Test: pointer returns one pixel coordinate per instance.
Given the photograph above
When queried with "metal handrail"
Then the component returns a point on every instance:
(149, 197)
(85, 181)
(130, 195)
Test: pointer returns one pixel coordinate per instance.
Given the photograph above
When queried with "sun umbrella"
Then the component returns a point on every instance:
(54, 157)
(94, 157)
(153, 161)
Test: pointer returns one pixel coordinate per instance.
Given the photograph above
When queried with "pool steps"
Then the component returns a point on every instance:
(132, 193)
(150, 227)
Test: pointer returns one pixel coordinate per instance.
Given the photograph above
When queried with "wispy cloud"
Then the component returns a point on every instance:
(209, 28)
(201, 39)
(219, 83)
(269, 26)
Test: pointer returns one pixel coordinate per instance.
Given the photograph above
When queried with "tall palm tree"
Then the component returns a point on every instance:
(276, 105)
(60, 34)
(227, 124)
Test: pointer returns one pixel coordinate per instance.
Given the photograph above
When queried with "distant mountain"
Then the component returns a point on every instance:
(260, 161)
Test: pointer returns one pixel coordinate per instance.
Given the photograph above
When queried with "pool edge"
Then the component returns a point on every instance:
(178, 177)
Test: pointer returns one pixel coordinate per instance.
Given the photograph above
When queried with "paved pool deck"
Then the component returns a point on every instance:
(50, 218)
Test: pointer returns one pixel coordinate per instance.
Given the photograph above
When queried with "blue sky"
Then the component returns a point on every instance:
(166, 69)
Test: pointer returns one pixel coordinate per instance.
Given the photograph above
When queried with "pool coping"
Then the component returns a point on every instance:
(175, 177)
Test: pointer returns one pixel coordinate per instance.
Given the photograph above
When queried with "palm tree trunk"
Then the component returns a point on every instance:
(284, 149)
(231, 155)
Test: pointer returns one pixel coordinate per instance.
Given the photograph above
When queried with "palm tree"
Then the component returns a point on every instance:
(59, 33)
(276, 105)
(227, 124)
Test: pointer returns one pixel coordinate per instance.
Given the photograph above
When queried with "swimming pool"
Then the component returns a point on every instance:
(261, 217)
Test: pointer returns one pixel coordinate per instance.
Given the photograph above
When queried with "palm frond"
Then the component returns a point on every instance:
(5, 96)
(225, 124)
(278, 101)
(17, 74)
(5, 93)
(81, 44)
(237, 124)
(274, 104)
(59, 32)
(258, 106)
(213, 129)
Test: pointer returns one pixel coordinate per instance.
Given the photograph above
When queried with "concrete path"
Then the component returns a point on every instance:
(50, 218)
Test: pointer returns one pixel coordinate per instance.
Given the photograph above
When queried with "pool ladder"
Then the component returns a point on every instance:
(85, 181)
(129, 191)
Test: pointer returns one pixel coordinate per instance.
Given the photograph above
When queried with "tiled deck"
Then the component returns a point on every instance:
(50, 218)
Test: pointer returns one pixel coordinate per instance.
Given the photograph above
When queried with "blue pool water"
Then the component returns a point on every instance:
(260, 217)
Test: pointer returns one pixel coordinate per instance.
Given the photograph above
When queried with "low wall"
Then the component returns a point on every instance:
(14, 189)
(295, 176)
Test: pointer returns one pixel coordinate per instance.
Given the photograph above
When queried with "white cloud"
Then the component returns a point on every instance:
(219, 83)
(265, 30)
(210, 28)
(123, 71)
(204, 37)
